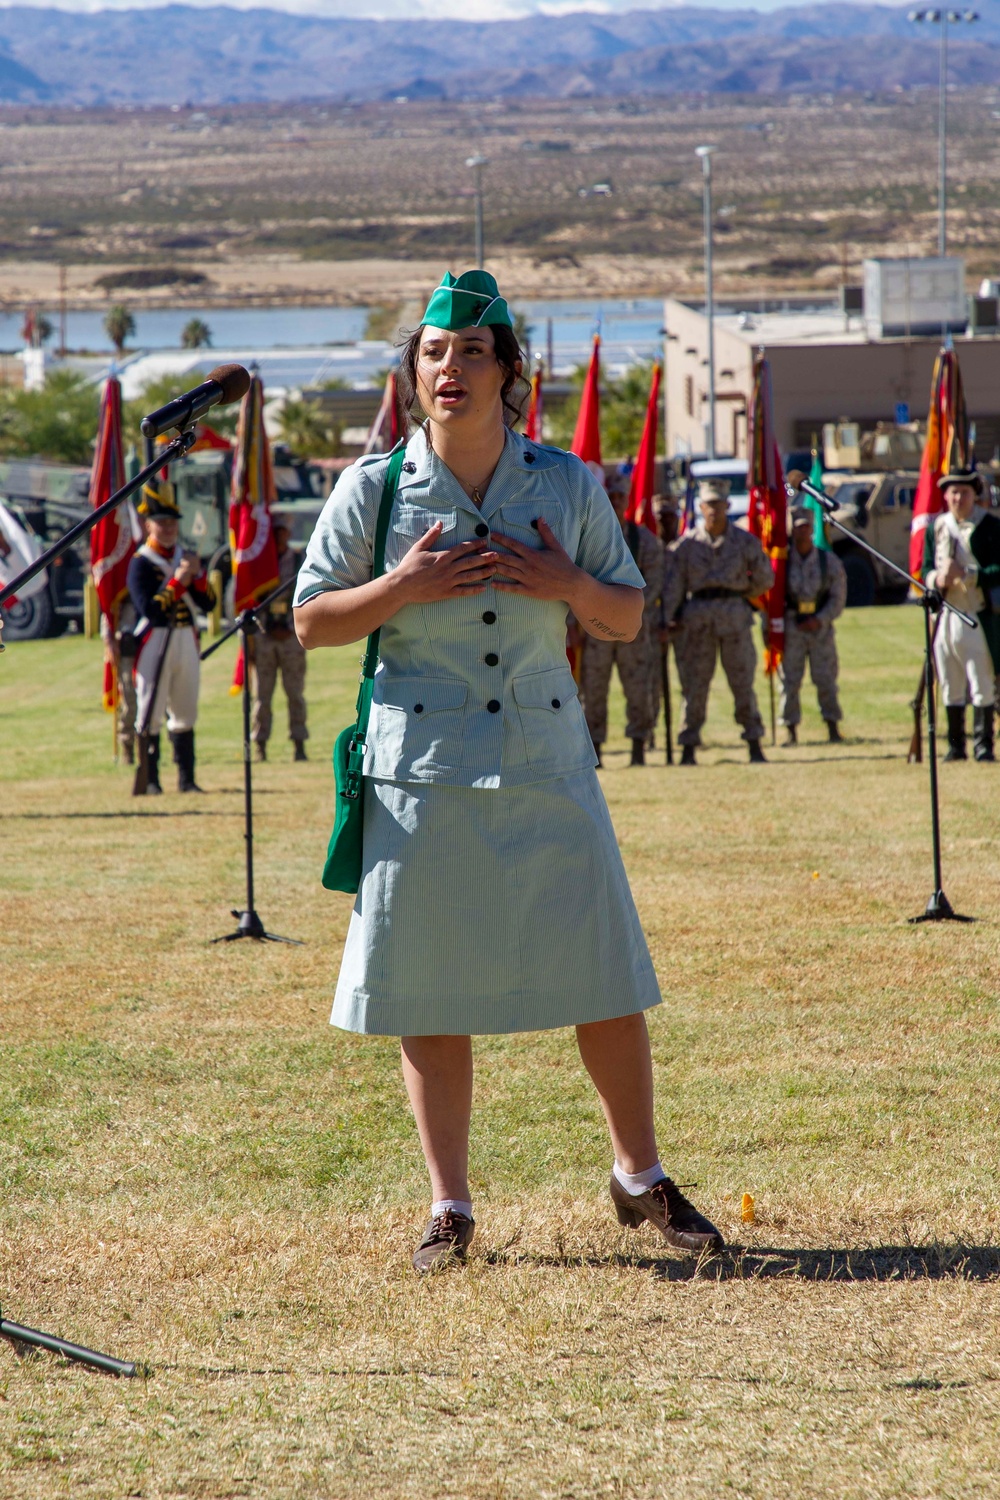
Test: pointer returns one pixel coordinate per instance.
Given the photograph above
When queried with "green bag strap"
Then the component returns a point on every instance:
(352, 788)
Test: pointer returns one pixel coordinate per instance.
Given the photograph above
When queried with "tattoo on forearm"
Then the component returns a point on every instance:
(612, 635)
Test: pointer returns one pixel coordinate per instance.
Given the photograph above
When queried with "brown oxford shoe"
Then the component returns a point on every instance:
(667, 1209)
(445, 1242)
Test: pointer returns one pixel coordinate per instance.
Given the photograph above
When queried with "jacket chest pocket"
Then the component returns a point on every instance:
(421, 724)
(410, 522)
(548, 707)
(519, 519)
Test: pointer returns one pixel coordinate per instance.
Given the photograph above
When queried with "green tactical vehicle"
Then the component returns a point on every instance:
(47, 499)
(873, 478)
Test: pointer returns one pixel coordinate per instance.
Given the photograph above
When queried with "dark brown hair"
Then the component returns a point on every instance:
(513, 393)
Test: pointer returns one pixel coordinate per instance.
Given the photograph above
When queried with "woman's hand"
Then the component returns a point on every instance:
(548, 574)
(425, 576)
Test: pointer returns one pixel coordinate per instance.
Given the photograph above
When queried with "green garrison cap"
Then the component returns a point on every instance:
(470, 301)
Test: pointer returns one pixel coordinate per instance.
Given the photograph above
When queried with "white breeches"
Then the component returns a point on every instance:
(963, 662)
(178, 690)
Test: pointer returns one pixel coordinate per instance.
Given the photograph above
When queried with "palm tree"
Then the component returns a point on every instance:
(196, 334)
(119, 325)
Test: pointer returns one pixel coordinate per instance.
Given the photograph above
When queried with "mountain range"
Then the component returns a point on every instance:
(178, 54)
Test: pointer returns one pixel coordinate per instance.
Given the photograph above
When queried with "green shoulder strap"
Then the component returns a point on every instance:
(364, 704)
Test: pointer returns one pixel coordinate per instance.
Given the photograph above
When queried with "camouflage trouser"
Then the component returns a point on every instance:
(632, 658)
(271, 655)
(656, 652)
(720, 628)
(126, 704)
(820, 649)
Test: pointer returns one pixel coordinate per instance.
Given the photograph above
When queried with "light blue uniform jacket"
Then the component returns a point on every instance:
(474, 691)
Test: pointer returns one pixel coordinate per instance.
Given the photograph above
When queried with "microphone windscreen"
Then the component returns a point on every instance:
(235, 382)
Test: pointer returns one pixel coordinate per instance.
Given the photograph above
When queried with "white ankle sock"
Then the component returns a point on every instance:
(454, 1204)
(638, 1183)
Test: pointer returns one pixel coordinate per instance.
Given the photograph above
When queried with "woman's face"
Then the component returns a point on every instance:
(163, 530)
(458, 378)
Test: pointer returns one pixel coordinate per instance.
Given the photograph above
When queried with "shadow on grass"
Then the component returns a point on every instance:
(58, 817)
(934, 1262)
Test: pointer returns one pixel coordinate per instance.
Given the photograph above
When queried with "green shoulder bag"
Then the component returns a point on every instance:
(342, 871)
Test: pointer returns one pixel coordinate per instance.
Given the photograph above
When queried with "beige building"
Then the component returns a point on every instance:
(824, 368)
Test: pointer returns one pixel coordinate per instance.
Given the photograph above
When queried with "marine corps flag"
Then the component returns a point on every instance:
(389, 424)
(767, 518)
(586, 442)
(533, 422)
(640, 495)
(946, 449)
(115, 538)
(251, 539)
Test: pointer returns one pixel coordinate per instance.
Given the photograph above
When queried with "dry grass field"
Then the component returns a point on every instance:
(198, 1173)
(294, 203)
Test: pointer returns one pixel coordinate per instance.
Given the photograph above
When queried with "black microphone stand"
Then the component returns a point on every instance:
(250, 924)
(18, 1334)
(175, 449)
(939, 908)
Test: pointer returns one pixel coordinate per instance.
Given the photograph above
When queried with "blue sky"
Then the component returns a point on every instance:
(467, 10)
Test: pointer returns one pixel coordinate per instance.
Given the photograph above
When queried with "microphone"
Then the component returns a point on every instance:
(225, 384)
(820, 495)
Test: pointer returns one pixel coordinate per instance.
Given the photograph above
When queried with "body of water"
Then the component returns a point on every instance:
(629, 330)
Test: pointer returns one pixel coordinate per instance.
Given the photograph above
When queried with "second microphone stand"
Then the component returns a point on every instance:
(247, 624)
(938, 908)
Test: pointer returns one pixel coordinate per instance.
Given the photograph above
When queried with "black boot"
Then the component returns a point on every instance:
(791, 735)
(687, 756)
(982, 733)
(833, 730)
(638, 753)
(184, 756)
(153, 787)
(956, 732)
(260, 750)
(300, 750)
(757, 756)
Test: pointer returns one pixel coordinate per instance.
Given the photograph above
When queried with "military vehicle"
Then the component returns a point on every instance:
(47, 499)
(873, 478)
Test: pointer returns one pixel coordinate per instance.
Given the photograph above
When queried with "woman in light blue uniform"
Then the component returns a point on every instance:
(493, 896)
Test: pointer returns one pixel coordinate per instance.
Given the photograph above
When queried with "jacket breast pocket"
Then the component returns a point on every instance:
(410, 522)
(420, 727)
(519, 518)
(552, 722)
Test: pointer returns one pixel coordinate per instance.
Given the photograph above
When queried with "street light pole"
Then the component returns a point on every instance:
(706, 152)
(477, 163)
(943, 18)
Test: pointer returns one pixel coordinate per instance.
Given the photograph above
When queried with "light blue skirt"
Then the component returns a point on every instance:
(481, 912)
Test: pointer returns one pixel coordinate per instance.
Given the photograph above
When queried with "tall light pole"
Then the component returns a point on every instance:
(943, 18)
(477, 163)
(706, 152)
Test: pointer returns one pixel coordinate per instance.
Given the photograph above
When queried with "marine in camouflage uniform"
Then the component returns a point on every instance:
(668, 513)
(632, 658)
(276, 650)
(815, 595)
(716, 569)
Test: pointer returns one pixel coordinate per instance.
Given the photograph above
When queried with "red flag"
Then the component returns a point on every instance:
(251, 538)
(390, 423)
(533, 424)
(640, 495)
(586, 442)
(947, 444)
(113, 539)
(767, 517)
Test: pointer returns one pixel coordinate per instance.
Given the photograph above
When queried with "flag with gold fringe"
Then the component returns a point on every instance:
(946, 447)
(767, 518)
(533, 422)
(116, 536)
(252, 492)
